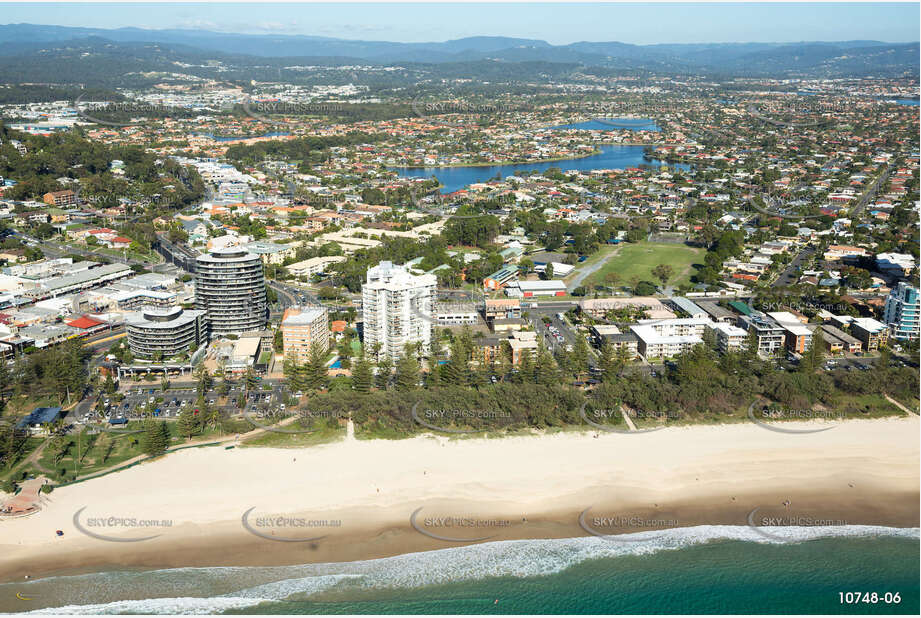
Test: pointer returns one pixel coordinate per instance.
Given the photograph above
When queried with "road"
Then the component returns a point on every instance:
(587, 271)
(870, 194)
(790, 274)
(56, 250)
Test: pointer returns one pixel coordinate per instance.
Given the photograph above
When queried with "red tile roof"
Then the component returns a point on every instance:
(84, 322)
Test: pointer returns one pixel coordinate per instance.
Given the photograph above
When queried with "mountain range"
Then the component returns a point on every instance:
(806, 59)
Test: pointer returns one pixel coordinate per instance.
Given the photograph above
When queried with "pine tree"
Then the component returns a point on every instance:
(814, 354)
(153, 441)
(249, 379)
(362, 376)
(315, 371)
(407, 378)
(621, 357)
(164, 435)
(384, 369)
(203, 378)
(434, 372)
(187, 425)
(547, 372)
(579, 356)
(607, 362)
(457, 370)
(525, 368)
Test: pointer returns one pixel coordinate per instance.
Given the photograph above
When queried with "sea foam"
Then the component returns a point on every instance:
(517, 558)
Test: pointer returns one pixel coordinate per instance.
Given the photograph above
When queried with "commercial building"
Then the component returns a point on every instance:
(652, 307)
(230, 288)
(159, 334)
(456, 314)
(304, 329)
(901, 312)
(502, 309)
(717, 313)
(397, 308)
(690, 308)
(529, 289)
(501, 277)
(80, 279)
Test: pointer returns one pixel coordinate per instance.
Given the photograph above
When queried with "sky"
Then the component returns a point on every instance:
(556, 23)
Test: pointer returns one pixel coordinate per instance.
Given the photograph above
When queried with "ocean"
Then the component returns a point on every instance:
(703, 569)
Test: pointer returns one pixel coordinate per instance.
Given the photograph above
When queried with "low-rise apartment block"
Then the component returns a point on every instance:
(797, 337)
(667, 338)
(769, 335)
(729, 338)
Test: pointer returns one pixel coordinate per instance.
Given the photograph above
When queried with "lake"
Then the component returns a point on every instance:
(610, 157)
(613, 124)
(219, 138)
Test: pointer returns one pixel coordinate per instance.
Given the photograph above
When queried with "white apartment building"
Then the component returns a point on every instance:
(903, 310)
(729, 338)
(667, 338)
(314, 266)
(397, 308)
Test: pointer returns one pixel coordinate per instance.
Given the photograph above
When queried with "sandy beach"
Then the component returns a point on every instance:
(355, 499)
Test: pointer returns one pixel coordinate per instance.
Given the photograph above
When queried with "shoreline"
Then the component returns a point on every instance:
(865, 472)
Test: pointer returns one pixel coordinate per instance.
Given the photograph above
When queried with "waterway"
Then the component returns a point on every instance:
(610, 157)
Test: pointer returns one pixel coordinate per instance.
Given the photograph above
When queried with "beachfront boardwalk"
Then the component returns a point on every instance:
(350, 431)
(627, 419)
(899, 405)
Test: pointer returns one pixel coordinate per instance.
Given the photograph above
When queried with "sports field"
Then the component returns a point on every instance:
(638, 259)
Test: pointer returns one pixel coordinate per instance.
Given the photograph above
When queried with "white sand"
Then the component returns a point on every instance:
(536, 474)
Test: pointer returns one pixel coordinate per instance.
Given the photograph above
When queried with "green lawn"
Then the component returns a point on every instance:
(92, 453)
(638, 259)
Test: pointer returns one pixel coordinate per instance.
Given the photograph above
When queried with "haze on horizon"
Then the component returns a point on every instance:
(555, 23)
